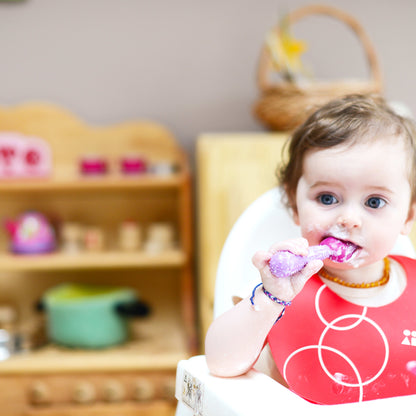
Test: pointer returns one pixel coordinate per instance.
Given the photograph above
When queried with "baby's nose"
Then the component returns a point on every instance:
(349, 220)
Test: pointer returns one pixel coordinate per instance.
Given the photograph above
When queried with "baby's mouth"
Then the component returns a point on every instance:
(342, 250)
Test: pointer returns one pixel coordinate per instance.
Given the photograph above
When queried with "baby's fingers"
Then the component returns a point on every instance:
(295, 245)
(300, 278)
(261, 259)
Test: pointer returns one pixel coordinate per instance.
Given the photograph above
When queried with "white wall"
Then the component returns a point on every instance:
(189, 64)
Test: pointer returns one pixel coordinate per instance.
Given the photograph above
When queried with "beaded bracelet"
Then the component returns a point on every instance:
(272, 298)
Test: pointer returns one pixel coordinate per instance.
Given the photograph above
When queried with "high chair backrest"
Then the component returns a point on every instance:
(263, 223)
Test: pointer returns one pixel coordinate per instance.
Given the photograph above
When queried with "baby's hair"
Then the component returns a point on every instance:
(345, 121)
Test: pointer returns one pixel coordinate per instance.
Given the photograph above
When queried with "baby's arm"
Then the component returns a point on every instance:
(236, 338)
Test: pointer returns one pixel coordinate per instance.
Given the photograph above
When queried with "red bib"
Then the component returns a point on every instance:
(331, 351)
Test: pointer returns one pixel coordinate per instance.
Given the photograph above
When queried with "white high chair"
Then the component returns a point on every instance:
(265, 221)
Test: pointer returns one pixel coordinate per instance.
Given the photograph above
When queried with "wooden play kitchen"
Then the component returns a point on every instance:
(102, 214)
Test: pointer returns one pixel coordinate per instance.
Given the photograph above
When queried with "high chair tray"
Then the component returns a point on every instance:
(201, 394)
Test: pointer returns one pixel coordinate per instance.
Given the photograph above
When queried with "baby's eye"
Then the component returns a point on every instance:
(327, 199)
(375, 202)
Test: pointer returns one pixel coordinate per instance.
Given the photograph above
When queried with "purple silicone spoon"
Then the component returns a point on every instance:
(284, 263)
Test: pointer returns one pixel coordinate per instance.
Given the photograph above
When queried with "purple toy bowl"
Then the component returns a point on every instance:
(133, 165)
(37, 248)
(31, 233)
(93, 165)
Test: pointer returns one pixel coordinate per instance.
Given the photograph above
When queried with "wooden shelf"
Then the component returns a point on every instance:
(101, 260)
(164, 281)
(158, 344)
(108, 183)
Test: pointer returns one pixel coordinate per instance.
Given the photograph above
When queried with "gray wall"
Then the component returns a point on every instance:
(189, 64)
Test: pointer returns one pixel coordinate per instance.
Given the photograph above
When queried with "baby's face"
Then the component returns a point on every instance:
(360, 194)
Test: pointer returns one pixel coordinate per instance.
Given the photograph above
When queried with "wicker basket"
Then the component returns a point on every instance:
(285, 105)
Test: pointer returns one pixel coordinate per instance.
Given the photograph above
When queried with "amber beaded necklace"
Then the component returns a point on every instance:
(380, 282)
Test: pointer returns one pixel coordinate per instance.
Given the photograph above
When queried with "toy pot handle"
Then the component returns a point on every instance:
(132, 309)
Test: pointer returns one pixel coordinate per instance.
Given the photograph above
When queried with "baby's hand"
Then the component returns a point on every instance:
(285, 288)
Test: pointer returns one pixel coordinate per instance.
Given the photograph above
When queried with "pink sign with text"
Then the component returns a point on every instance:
(24, 156)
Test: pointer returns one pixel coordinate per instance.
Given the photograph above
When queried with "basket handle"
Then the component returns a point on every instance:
(265, 65)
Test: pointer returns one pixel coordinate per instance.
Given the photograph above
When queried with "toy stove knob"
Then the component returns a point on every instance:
(113, 391)
(144, 389)
(84, 392)
(40, 393)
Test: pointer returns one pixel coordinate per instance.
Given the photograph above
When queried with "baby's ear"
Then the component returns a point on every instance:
(293, 209)
(407, 226)
(295, 215)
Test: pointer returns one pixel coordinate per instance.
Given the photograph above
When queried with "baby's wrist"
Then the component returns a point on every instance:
(275, 299)
(261, 297)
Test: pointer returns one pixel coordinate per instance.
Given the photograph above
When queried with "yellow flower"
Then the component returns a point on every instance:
(285, 51)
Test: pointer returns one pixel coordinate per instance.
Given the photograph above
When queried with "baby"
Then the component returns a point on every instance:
(337, 328)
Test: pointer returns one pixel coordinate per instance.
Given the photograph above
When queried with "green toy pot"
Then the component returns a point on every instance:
(84, 316)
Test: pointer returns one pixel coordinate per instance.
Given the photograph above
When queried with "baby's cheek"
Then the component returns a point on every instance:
(313, 232)
(381, 247)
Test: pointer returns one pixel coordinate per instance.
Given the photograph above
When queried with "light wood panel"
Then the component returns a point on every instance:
(233, 170)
